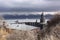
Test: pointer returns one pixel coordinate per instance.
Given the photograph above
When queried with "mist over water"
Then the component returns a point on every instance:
(25, 13)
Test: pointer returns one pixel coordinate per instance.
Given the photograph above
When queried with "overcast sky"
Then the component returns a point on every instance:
(29, 5)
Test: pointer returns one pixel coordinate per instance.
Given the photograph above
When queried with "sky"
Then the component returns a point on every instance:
(29, 5)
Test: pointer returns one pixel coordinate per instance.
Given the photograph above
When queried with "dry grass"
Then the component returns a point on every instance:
(54, 34)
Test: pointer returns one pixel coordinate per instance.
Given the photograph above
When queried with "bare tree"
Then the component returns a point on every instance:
(55, 20)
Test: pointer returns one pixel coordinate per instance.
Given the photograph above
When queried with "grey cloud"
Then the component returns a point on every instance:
(29, 5)
(52, 0)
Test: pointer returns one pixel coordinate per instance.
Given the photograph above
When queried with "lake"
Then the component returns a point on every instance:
(21, 26)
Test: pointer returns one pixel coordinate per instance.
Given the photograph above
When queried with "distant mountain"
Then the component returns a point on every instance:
(31, 16)
(49, 16)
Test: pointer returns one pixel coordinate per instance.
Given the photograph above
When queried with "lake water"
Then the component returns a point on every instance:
(21, 26)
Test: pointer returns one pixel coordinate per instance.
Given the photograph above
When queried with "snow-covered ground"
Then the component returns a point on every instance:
(21, 26)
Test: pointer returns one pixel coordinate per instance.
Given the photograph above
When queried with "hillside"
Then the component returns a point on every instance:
(34, 34)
